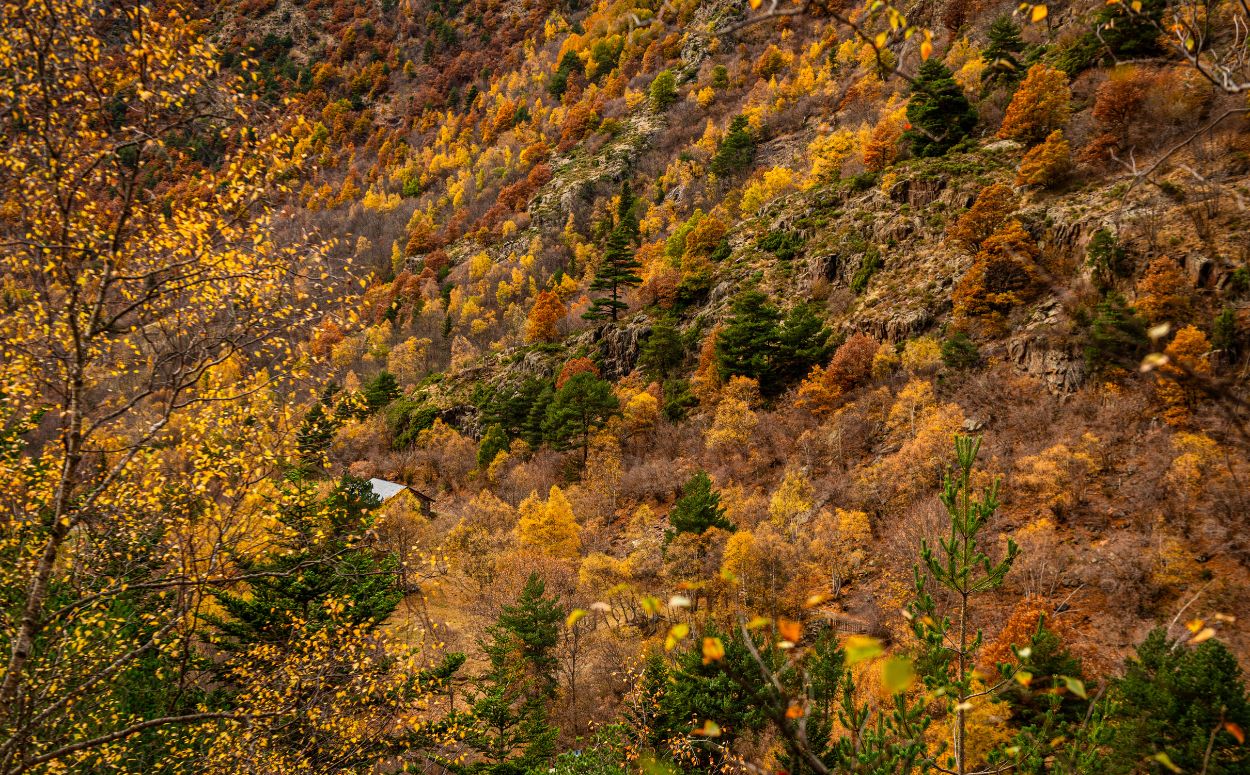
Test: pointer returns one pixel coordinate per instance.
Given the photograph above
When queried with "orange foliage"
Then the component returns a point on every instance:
(1045, 164)
(882, 147)
(993, 205)
(544, 317)
(575, 367)
(1163, 292)
(1041, 105)
(705, 384)
(1002, 276)
(852, 363)
(577, 123)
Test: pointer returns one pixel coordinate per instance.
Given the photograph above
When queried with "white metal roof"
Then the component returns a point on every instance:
(384, 489)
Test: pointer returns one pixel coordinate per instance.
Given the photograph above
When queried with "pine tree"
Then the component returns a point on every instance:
(1177, 699)
(1132, 32)
(663, 353)
(804, 341)
(494, 442)
(584, 403)
(939, 113)
(318, 559)
(736, 151)
(1002, 54)
(697, 509)
(511, 729)
(663, 91)
(960, 567)
(1117, 335)
(757, 342)
(619, 270)
(314, 436)
(381, 391)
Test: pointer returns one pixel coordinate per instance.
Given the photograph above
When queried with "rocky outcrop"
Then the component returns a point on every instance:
(617, 346)
(899, 326)
(1061, 370)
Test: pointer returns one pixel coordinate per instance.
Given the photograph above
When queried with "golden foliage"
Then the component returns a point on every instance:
(1041, 105)
(1003, 276)
(1163, 292)
(1047, 163)
(549, 527)
(993, 205)
(792, 502)
(922, 356)
(1187, 363)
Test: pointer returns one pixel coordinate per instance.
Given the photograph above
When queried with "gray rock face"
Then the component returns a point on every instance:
(618, 346)
(896, 328)
(1062, 371)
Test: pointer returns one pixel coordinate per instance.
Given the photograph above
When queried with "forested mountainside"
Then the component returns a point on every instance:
(616, 386)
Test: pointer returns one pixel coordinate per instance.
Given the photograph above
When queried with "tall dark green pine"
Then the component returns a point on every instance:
(747, 345)
(318, 559)
(938, 112)
(697, 509)
(510, 726)
(381, 391)
(314, 436)
(1127, 33)
(582, 404)
(736, 151)
(663, 353)
(760, 343)
(1002, 55)
(1175, 699)
(804, 342)
(619, 270)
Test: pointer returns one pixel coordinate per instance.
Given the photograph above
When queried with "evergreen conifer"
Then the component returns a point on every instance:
(938, 112)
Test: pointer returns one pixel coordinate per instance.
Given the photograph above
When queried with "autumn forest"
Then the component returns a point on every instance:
(598, 387)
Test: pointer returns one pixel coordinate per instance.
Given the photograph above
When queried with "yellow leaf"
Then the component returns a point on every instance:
(1023, 677)
(1075, 685)
(709, 729)
(758, 622)
(1136, 6)
(815, 600)
(880, 40)
(789, 629)
(1235, 731)
(897, 674)
(755, 4)
(574, 617)
(1039, 13)
(860, 648)
(675, 635)
(679, 601)
(713, 650)
(794, 711)
(1166, 761)
(965, 705)
(650, 605)
(926, 50)
(1194, 625)
(1206, 634)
